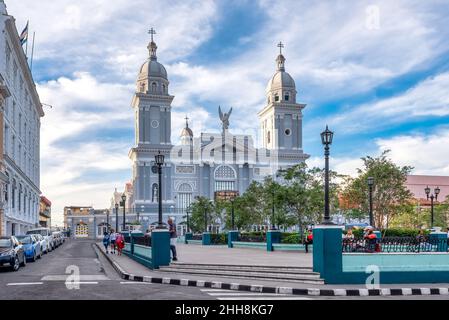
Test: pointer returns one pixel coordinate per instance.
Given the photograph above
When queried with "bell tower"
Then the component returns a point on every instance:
(281, 118)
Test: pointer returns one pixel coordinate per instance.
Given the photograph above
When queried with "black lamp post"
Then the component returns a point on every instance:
(116, 217)
(205, 218)
(326, 138)
(160, 158)
(370, 181)
(433, 196)
(232, 215)
(188, 224)
(107, 218)
(124, 204)
(272, 210)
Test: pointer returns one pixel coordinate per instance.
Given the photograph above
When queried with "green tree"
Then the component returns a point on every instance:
(390, 193)
(200, 207)
(303, 194)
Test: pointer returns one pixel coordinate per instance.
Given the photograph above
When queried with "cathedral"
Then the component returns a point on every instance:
(207, 164)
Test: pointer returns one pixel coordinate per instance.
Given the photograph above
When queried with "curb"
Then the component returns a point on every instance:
(278, 290)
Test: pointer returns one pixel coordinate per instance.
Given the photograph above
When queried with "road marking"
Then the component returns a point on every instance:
(24, 284)
(134, 282)
(82, 282)
(81, 278)
(265, 298)
(244, 294)
(223, 294)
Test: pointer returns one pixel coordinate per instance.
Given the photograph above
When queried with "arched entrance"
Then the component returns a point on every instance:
(82, 230)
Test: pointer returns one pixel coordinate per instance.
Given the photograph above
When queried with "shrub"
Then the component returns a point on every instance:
(290, 238)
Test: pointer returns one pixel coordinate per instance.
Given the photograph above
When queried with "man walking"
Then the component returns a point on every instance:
(173, 238)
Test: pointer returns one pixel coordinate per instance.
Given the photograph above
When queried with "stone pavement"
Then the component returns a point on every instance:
(222, 254)
(242, 256)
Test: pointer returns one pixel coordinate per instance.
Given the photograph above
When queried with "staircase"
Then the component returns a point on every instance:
(261, 273)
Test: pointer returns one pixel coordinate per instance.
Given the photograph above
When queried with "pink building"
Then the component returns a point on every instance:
(417, 183)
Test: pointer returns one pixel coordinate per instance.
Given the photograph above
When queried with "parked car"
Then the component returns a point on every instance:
(12, 253)
(57, 238)
(42, 241)
(46, 233)
(31, 246)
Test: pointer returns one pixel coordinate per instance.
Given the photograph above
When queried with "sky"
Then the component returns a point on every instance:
(376, 72)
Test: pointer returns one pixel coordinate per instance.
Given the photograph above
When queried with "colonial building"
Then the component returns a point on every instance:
(21, 132)
(209, 163)
(45, 212)
(4, 93)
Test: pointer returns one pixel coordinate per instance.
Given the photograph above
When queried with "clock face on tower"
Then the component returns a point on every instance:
(155, 124)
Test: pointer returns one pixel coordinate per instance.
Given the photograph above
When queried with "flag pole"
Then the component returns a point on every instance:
(32, 53)
(26, 48)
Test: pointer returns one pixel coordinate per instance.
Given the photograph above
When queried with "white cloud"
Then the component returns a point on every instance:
(329, 49)
(428, 154)
(112, 35)
(429, 98)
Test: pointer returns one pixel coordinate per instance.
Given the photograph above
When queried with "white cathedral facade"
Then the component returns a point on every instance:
(208, 163)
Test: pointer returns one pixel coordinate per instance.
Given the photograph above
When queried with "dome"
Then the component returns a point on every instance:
(187, 132)
(152, 68)
(281, 79)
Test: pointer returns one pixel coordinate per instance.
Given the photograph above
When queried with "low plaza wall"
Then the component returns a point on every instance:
(336, 267)
(154, 256)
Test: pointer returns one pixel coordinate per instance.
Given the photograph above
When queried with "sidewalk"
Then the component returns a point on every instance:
(133, 271)
(241, 256)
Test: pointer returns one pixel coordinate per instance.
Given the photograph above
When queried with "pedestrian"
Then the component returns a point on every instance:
(371, 240)
(173, 238)
(106, 241)
(113, 238)
(309, 239)
(348, 241)
(120, 243)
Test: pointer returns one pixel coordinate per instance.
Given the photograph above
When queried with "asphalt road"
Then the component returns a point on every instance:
(56, 275)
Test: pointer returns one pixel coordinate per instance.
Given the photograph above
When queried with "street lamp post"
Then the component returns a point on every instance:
(370, 186)
(160, 158)
(124, 205)
(432, 197)
(232, 215)
(326, 138)
(138, 213)
(188, 225)
(116, 217)
(205, 218)
(272, 211)
(107, 218)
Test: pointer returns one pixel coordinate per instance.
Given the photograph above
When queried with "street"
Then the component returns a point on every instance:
(52, 278)
(46, 279)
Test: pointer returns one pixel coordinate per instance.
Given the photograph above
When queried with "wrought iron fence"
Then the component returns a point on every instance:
(197, 237)
(143, 241)
(219, 238)
(252, 238)
(395, 244)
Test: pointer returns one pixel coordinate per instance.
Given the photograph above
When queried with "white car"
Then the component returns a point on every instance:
(46, 234)
(43, 242)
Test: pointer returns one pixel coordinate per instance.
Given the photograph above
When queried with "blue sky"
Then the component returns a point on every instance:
(376, 71)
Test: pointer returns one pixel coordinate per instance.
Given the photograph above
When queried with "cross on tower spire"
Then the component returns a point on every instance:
(187, 121)
(152, 32)
(280, 46)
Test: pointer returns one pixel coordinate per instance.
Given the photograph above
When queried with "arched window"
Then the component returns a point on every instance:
(155, 193)
(185, 191)
(20, 196)
(225, 177)
(6, 189)
(153, 87)
(164, 89)
(13, 193)
(142, 87)
(276, 97)
(287, 96)
(269, 137)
